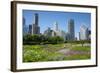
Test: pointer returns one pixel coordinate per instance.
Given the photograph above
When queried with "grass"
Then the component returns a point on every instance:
(78, 57)
(81, 48)
(39, 53)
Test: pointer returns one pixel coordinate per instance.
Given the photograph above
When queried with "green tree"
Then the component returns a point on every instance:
(41, 39)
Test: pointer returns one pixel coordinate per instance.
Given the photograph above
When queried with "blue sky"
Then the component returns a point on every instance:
(47, 19)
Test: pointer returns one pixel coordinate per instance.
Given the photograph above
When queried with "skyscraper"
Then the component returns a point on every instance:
(83, 32)
(63, 35)
(67, 36)
(71, 30)
(36, 19)
(56, 29)
(30, 29)
(25, 28)
(55, 26)
(79, 36)
(35, 27)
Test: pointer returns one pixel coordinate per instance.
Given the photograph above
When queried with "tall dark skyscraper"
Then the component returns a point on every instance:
(36, 19)
(35, 27)
(71, 29)
(30, 29)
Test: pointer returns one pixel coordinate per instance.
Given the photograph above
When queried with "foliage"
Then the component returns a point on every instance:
(41, 39)
(49, 52)
(77, 57)
(37, 53)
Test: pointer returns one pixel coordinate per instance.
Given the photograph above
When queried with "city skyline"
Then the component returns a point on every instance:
(47, 19)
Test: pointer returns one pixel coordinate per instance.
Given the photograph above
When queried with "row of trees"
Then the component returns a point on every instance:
(41, 39)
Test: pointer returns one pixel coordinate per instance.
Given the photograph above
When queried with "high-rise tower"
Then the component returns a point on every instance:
(56, 26)
(71, 29)
(30, 29)
(35, 27)
(83, 32)
(36, 19)
(25, 28)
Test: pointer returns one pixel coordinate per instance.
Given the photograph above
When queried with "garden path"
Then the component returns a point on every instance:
(64, 51)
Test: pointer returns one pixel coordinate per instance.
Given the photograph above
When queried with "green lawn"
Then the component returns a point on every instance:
(49, 52)
(78, 57)
(80, 48)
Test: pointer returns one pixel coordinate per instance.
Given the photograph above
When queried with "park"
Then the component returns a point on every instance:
(40, 48)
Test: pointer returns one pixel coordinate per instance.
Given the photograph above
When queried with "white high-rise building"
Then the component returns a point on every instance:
(83, 32)
(59, 32)
(55, 27)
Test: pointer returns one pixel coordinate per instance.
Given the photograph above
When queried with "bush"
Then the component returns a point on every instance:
(37, 53)
(38, 39)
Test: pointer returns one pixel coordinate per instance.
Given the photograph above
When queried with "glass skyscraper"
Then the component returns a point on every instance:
(83, 32)
(71, 30)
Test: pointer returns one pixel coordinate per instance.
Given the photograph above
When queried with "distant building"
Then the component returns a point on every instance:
(76, 38)
(63, 35)
(56, 30)
(79, 36)
(30, 29)
(89, 34)
(71, 29)
(24, 21)
(35, 27)
(25, 27)
(55, 27)
(84, 33)
(49, 32)
(54, 33)
(67, 36)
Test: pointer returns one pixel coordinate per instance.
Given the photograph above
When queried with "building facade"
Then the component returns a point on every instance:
(35, 27)
(25, 27)
(63, 35)
(84, 33)
(30, 29)
(71, 29)
(49, 32)
(55, 27)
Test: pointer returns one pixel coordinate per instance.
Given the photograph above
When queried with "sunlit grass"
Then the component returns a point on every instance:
(78, 57)
(81, 48)
(38, 53)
